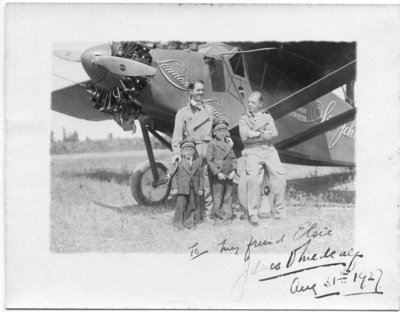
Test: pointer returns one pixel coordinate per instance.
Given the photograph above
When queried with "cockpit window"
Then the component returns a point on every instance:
(237, 64)
(217, 76)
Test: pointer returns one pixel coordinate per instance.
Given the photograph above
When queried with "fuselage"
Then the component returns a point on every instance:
(225, 73)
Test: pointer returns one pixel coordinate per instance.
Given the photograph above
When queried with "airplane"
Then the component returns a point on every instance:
(136, 82)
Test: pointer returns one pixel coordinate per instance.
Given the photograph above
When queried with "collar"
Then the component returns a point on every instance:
(254, 115)
(197, 106)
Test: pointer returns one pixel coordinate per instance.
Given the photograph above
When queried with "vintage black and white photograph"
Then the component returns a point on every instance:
(202, 171)
(223, 141)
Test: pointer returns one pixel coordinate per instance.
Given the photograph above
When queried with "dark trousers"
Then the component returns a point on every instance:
(222, 197)
(187, 213)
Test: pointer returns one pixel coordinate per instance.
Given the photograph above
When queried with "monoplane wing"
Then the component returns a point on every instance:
(69, 95)
(315, 125)
(74, 101)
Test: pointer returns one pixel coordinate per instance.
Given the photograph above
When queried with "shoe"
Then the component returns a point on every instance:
(217, 221)
(254, 220)
(243, 217)
(264, 215)
(191, 227)
(280, 216)
(209, 220)
(227, 221)
(164, 180)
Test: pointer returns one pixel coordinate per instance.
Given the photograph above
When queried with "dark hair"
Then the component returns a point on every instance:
(193, 83)
(259, 94)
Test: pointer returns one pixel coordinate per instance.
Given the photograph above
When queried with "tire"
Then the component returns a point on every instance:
(142, 188)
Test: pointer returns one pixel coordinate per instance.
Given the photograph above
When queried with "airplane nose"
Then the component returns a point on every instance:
(95, 72)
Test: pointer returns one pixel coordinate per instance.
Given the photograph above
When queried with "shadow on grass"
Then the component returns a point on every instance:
(308, 188)
(141, 209)
(104, 175)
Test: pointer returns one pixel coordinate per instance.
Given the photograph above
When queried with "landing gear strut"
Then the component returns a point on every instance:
(145, 181)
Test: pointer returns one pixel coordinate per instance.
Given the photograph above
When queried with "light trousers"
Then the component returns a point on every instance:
(257, 160)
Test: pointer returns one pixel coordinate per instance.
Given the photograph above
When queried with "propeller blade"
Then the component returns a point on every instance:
(68, 55)
(126, 67)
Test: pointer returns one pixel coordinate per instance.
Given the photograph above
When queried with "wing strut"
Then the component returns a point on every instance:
(313, 91)
(160, 138)
(323, 127)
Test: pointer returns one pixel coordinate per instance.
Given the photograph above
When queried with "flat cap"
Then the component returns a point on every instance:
(221, 124)
(188, 143)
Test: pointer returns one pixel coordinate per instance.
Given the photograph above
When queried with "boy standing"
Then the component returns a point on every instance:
(222, 163)
(188, 184)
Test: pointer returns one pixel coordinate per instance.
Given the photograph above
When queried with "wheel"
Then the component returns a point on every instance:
(142, 187)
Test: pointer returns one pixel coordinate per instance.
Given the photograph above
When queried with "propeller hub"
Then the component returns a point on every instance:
(97, 72)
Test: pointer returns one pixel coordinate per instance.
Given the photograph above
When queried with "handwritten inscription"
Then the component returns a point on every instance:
(295, 287)
(337, 269)
(195, 252)
(226, 248)
(311, 230)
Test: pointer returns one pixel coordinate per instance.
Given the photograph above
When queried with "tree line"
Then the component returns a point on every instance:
(70, 144)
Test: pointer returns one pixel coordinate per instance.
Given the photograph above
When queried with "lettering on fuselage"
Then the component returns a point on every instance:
(300, 114)
(171, 75)
(318, 114)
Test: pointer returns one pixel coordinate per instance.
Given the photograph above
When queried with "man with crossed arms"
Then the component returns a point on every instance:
(257, 131)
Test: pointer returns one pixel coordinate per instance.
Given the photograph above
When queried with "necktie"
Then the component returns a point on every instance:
(190, 164)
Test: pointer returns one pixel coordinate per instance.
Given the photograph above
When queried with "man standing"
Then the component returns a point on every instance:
(195, 121)
(257, 131)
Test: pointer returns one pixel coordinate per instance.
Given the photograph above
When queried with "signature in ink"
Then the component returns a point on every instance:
(349, 282)
(240, 284)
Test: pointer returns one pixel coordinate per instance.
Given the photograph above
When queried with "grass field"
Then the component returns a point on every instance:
(92, 209)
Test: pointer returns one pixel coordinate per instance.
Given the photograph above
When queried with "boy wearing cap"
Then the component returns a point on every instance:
(222, 163)
(188, 185)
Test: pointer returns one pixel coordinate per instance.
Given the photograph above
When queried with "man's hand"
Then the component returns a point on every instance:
(266, 136)
(221, 176)
(231, 175)
(174, 192)
(201, 192)
(254, 134)
(229, 140)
